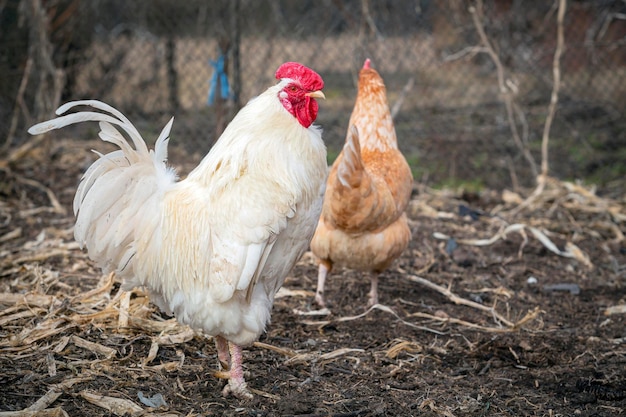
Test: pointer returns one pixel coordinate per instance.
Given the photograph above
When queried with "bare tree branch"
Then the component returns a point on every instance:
(365, 8)
(507, 87)
(19, 103)
(554, 98)
(398, 104)
(542, 180)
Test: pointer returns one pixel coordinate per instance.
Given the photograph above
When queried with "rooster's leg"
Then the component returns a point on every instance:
(231, 362)
(222, 352)
(236, 383)
(373, 294)
(324, 269)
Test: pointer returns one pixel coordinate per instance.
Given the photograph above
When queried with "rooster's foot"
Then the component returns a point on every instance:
(238, 389)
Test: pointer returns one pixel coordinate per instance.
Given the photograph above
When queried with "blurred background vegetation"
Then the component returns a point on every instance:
(153, 59)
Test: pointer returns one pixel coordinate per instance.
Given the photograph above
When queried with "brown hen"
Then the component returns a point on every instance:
(363, 224)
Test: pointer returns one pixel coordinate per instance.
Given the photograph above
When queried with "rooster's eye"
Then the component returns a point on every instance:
(292, 88)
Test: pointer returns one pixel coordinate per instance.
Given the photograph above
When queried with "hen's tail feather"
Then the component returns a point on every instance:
(362, 200)
(351, 169)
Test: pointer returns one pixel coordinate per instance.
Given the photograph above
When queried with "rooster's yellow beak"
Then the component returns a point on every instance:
(316, 94)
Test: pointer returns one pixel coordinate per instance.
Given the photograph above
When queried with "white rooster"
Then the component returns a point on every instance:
(214, 248)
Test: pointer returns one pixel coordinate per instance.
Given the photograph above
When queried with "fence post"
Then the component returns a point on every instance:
(235, 37)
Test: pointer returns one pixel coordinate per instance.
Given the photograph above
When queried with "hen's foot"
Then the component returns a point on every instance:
(373, 294)
(319, 299)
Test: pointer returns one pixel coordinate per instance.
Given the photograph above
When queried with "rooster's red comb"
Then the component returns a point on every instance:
(366, 64)
(308, 78)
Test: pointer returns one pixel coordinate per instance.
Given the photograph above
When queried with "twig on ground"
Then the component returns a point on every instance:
(55, 392)
(58, 208)
(529, 316)
(571, 250)
(283, 351)
(617, 309)
(105, 351)
(380, 307)
(48, 412)
(321, 357)
(461, 301)
(118, 406)
(403, 346)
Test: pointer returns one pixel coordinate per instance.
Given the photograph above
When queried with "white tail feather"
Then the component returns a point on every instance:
(160, 147)
(119, 188)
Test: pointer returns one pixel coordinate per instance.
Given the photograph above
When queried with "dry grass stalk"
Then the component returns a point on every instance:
(264, 394)
(13, 234)
(61, 344)
(123, 312)
(105, 351)
(152, 353)
(617, 309)
(528, 317)
(117, 406)
(403, 346)
(153, 326)
(321, 312)
(20, 315)
(283, 351)
(104, 288)
(43, 330)
(40, 407)
(167, 366)
(286, 292)
(319, 357)
(39, 256)
(48, 412)
(504, 292)
(54, 201)
(177, 338)
(52, 364)
(432, 406)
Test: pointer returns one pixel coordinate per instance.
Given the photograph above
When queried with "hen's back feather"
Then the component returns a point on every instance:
(363, 224)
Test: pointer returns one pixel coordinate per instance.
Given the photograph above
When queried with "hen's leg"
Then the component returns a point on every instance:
(323, 271)
(373, 294)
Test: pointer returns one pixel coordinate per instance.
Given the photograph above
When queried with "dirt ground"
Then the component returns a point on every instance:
(525, 324)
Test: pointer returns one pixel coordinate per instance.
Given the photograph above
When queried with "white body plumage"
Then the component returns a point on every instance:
(214, 248)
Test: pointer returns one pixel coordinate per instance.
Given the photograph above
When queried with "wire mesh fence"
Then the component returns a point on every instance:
(200, 61)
